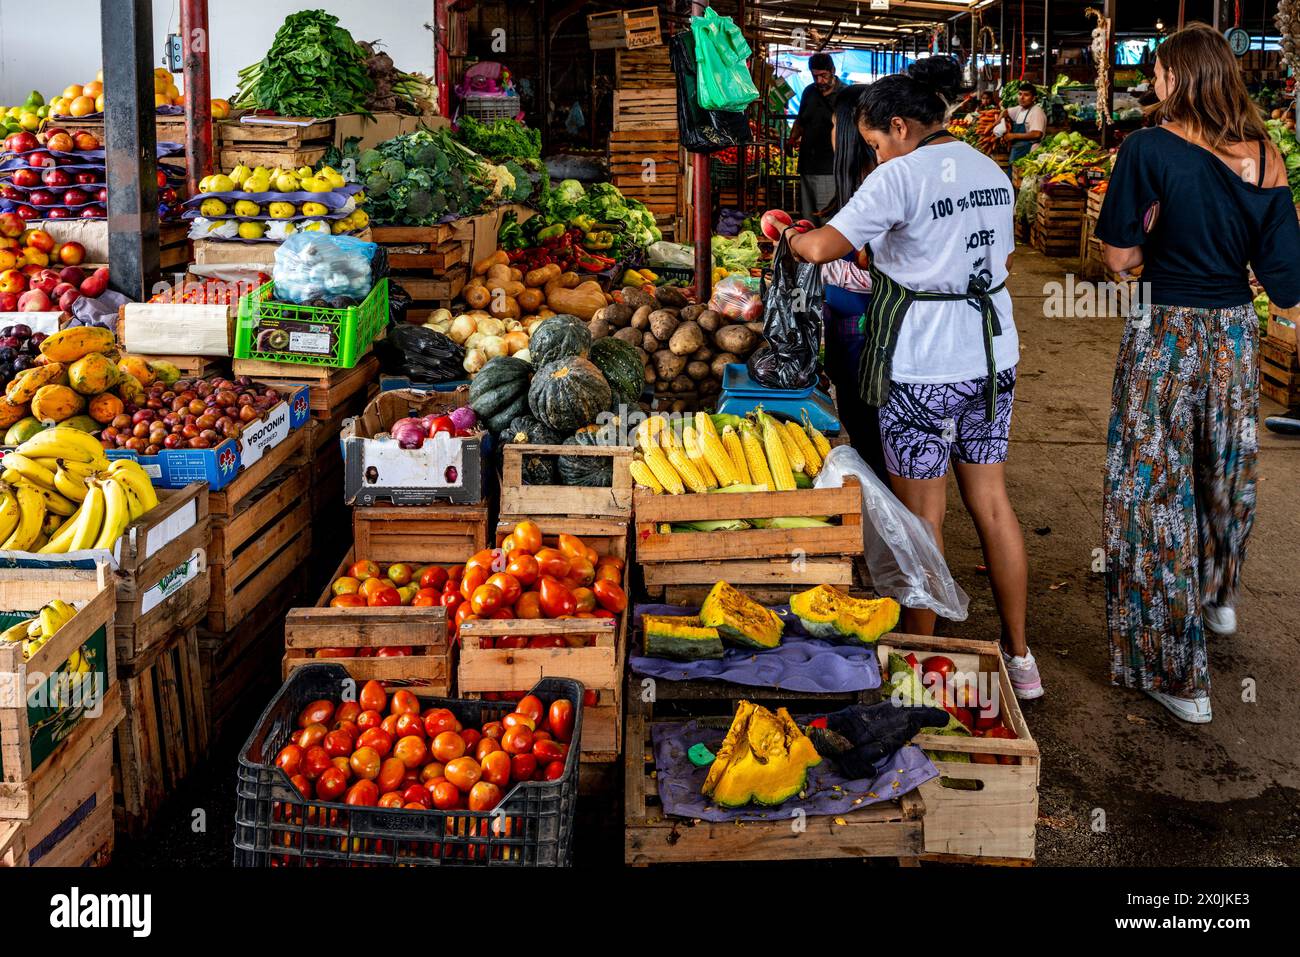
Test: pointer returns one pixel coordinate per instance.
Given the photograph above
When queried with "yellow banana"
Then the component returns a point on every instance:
(29, 469)
(16, 632)
(50, 622)
(138, 479)
(134, 505)
(62, 609)
(62, 442)
(54, 502)
(70, 485)
(50, 464)
(9, 511)
(77, 469)
(31, 507)
(62, 538)
(89, 520)
(117, 514)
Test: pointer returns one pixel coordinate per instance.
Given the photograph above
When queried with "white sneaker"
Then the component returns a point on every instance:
(1192, 710)
(1220, 619)
(1023, 672)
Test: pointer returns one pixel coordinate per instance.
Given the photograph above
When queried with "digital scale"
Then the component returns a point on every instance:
(741, 394)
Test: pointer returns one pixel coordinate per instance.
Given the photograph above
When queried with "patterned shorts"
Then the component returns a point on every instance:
(923, 425)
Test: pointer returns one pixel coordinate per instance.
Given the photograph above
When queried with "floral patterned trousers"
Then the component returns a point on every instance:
(1179, 488)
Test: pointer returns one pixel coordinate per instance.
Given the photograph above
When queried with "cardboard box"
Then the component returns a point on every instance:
(153, 328)
(382, 126)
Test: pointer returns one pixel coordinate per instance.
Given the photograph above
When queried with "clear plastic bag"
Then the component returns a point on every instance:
(903, 560)
(738, 298)
(311, 266)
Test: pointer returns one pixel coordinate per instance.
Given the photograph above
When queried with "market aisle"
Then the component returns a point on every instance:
(1170, 794)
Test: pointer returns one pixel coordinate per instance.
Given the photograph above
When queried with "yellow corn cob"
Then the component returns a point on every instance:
(689, 473)
(695, 452)
(667, 440)
(774, 447)
(663, 471)
(704, 425)
(648, 430)
(754, 459)
(793, 455)
(819, 441)
(642, 474)
(736, 453)
(812, 462)
(715, 453)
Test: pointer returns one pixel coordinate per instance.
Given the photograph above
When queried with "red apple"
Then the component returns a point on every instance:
(11, 194)
(41, 160)
(11, 225)
(45, 281)
(23, 142)
(72, 254)
(58, 212)
(56, 178)
(8, 302)
(27, 178)
(101, 195)
(27, 213)
(85, 179)
(93, 212)
(67, 299)
(94, 286)
(33, 300)
(41, 197)
(53, 131)
(75, 197)
(71, 274)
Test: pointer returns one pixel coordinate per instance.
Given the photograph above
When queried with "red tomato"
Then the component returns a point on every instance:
(494, 730)
(560, 718)
(609, 573)
(547, 641)
(373, 697)
(556, 600)
(465, 613)
(451, 601)
(517, 719)
(369, 719)
(524, 569)
(318, 712)
(303, 785)
(363, 570)
(364, 793)
(585, 599)
(347, 711)
(532, 706)
(417, 794)
(517, 740)
(411, 750)
(439, 720)
(485, 747)
(378, 740)
(455, 573)
(486, 599)
(384, 598)
(474, 577)
(289, 760)
(409, 724)
(529, 605)
(542, 735)
(496, 768)
(404, 702)
(484, 796)
(390, 800)
(571, 546)
(581, 571)
(426, 598)
(527, 537)
(392, 772)
(554, 771)
(338, 744)
(938, 664)
(446, 796)
(485, 559)
(471, 738)
(547, 751)
(589, 697)
(430, 773)
(314, 762)
(509, 587)
(610, 596)
(433, 577)
(464, 773)
(312, 735)
(389, 724)
(365, 762)
(552, 562)
(448, 746)
(522, 767)
(331, 784)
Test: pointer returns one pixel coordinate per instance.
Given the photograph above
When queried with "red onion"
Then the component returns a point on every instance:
(409, 433)
(464, 419)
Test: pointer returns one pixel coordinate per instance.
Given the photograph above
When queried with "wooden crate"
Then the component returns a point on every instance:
(328, 388)
(275, 136)
(649, 109)
(992, 819)
(162, 579)
(1279, 371)
(764, 563)
(530, 501)
(598, 666)
(431, 670)
(164, 733)
(422, 250)
(649, 165)
(647, 68)
(174, 250)
(1282, 323)
(624, 29)
(441, 533)
(249, 155)
(891, 830)
(1058, 221)
(39, 747)
(256, 543)
(292, 451)
(74, 826)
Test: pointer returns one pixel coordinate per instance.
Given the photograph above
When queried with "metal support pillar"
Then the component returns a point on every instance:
(130, 145)
(198, 92)
(702, 234)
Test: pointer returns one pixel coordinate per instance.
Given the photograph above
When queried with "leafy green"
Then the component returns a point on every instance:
(418, 178)
(314, 68)
(634, 224)
(501, 139)
(1284, 139)
(739, 253)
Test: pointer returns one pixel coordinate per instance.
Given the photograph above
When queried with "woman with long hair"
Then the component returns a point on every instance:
(848, 287)
(1194, 200)
(941, 351)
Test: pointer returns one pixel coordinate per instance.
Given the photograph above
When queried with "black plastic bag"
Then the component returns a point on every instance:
(399, 300)
(702, 131)
(792, 324)
(421, 354)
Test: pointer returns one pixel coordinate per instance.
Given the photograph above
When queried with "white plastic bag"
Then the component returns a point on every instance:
(904, 562)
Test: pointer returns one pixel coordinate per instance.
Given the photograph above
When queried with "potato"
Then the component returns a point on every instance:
(736, 339)
(641, 318)
(616, 314)
(631, 336)
(645, 356)
(516, 275)
(687, 339)
(710, 321)
(636, 298)
(683, 383)
(720, 363)
(540, 277)
(698, 371)
(710, 387)
(599, 328)
(671, 296)
(650, 376)
(663, 323)
(692, 312)
(703, 353)
(649, 343)
(498, 272)
(668, 366)
(757, 327)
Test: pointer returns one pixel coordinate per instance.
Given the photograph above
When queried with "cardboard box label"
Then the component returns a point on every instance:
(173, 581)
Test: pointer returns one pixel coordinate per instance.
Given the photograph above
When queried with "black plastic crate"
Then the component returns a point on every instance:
(275, 826)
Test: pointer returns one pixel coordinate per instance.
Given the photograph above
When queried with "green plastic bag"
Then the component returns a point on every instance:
(721, 54)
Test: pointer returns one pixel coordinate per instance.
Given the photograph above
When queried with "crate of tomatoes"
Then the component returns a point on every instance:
(407, 779)
(546, 603)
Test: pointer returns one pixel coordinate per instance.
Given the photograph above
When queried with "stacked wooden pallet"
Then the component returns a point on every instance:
(624, 29)
(1059, 220)
(429, 262)
(280, 144)
(646, 161)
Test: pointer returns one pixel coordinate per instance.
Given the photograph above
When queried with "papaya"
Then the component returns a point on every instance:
(11, 412)
(22, 388)
(69, 345)
(130, 389)
(135, 366)
(82, 423)
(105, 408)
(24, 429)
(166, 372)
(54, 403)
(93, 374)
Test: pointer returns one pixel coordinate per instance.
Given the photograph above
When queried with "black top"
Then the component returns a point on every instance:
(1210, 224)
(816, 155)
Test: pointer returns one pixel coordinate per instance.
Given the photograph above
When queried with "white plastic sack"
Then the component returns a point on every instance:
(903, 560)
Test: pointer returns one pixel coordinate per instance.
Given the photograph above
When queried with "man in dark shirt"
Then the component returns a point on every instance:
(811, 135)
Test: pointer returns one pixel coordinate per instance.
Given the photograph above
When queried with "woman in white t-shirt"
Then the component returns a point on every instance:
(941, 352)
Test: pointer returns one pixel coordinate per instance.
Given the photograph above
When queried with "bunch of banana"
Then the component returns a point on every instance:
(59, 493)
(36, 631)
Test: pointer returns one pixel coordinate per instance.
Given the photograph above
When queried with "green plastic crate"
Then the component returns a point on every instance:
(353, 329)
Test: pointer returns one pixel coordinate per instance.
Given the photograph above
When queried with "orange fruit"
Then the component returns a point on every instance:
(82, 106)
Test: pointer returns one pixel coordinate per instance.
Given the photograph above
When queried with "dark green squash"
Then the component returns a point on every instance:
(527, 430)
(499, 392)
(568, 393)
(588, 470)
(557, 337)
(622, 367)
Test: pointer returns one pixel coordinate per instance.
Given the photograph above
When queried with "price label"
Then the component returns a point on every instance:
(317, 343)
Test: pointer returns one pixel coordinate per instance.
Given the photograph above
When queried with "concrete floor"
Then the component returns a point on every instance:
(1123, 782)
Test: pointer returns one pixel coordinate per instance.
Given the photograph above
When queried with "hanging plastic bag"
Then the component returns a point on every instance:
(722, 71)
(792, 324)
(701, 130)
(902, 558)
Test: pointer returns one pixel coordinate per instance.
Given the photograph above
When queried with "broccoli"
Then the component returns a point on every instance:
(369, 161)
